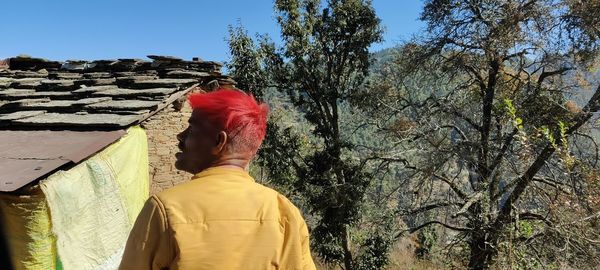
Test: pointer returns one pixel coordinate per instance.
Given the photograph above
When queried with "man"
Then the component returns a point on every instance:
(221, 219)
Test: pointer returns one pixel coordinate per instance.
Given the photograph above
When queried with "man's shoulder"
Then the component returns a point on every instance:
(284, 203)
(194, 189)
(176, 191)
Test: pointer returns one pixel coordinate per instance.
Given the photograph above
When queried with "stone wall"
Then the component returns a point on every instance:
(162, 129)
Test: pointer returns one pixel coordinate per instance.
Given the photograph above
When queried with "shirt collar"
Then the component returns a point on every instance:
(223, 170)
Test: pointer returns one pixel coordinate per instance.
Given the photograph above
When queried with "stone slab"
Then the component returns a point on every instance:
(92, 89)
(78, 120)
(185, 74)
(19, 115)
(130, 105)
(161, 83)
(135, 92)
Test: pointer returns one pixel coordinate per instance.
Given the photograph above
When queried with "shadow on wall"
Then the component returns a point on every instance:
(4, 255)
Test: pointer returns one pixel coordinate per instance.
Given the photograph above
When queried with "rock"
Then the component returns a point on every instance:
(92, 89)
(125, 74)
(19, 115)
(102, 65)
(60, 85)
(128, 105)
(165, 58)
(90, 93)
(97, 75)
(212, 85)
(136, 93)
(186, 74)
(138, 78)
(65, 75)
(128, 81)
(77, 62)
(4, 64)
(106, 81)
(126, 64)
(75, 65)
(26, 83)
(91, 82)
(26, 93)
(11, 91)
(104, 62)
(130, 60)
(52, 106)
(227, 81)
(12, 106)
(79, 120)
(88, 101)
(29, 74)
(62, 105)
(25, 62)
(5, 82)
(204, 66)
(141, 113)
(161, 83)
(8, 73)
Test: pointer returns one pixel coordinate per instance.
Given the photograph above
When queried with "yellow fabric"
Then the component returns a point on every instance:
(221, 220)
(27, 230)
(82, 215)
(93, 204)
(128, 159)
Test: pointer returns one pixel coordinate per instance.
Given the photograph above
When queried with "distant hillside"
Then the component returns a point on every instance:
(580, 97)
(382, 56)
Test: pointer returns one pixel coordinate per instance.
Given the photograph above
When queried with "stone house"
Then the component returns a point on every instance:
(37, 94)
(64, 120)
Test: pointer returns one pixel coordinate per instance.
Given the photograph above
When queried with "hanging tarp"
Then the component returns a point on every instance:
(27, 230)
(85, 212)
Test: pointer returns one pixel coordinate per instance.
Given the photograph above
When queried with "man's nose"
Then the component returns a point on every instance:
(181, 135)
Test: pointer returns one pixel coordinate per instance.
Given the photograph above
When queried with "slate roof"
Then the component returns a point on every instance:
(37, 93)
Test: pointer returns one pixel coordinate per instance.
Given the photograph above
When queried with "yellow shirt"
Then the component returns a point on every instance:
(220, 220)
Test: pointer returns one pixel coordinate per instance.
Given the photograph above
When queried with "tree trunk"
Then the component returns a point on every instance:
(483, 252)
(346, 243)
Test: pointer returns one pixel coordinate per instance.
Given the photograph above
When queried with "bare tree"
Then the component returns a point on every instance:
(492, 122)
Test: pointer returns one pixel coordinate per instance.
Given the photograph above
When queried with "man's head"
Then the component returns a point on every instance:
(226, 128)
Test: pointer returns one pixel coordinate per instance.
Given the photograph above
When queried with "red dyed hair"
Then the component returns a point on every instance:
(235, 112)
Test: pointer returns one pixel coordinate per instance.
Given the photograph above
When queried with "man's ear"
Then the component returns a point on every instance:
(221, 142)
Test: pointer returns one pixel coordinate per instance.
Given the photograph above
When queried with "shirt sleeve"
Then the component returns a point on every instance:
(148, 245)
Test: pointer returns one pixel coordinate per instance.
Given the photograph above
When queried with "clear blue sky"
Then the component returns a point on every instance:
(109, 29)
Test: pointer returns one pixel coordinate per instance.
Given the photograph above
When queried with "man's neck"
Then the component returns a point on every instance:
(230, 166)
(240, 162)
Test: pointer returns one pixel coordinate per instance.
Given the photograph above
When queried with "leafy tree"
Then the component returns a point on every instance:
(322, 63)
(482, 104)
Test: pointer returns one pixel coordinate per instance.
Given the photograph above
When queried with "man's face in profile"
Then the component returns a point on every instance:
(196, 145)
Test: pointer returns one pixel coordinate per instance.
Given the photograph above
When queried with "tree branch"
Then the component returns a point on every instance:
(498, 159)
(452, 185)
(545, 74)
(523, 181)
(451, 227)
(432, 207)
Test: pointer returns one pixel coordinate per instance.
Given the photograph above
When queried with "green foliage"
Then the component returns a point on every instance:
(246, 64)
(375, 255)
(512, 113)
(428, 240)
(323, 61)
(460, 129)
